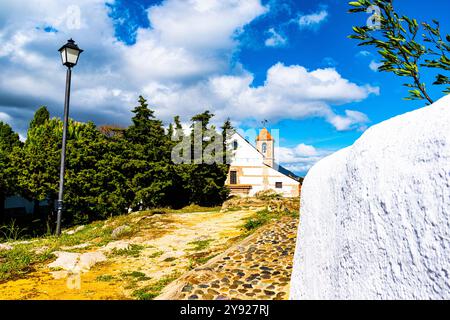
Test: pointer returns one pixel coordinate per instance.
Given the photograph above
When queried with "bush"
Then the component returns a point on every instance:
(133, 251)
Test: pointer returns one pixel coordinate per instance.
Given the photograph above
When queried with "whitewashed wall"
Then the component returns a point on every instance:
(256, 173)
(246, 154)
(375, 217)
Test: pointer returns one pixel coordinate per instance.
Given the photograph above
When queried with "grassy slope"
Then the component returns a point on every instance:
(25, 255)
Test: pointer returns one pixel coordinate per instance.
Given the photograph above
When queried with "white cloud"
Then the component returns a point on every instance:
(352, 120)
(202, 24)
(305, 150)
(182, 65)
(189, 40)
(4, 117)
(275, 39)
(300, 158)
(364, 53)
(312, 20)
(374, 66)
(289, 92)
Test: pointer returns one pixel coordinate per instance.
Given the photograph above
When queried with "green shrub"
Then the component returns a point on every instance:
(133, 250)
(105, 278)
(156, 254)
(264, 216)
(201, 244)
(253, 224)
(152, 291)
(136, 275)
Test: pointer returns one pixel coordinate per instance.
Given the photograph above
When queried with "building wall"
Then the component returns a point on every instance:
(265, 181)
(254, 176)
(18, 202)
(245, 154)
(269, 156)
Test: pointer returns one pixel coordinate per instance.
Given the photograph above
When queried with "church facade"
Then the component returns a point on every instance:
(254, 169)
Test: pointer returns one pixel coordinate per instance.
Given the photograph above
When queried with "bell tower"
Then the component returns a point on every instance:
(265, 145)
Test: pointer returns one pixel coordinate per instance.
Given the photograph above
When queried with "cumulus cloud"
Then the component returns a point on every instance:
(352, 120)
(179, 64)
(300, 158)
(275, 39)
(289, 92)
(313, 19)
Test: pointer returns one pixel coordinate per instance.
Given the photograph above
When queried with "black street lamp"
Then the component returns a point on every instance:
(69, 56)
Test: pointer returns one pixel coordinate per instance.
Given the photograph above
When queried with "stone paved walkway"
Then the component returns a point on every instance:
(259, 268)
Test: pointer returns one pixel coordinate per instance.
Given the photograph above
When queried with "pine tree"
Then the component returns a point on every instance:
(149, 165)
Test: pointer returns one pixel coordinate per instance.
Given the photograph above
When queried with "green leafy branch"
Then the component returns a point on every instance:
(440, 52)
(396, 38)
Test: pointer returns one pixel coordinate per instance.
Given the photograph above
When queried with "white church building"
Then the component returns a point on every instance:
(254, 169)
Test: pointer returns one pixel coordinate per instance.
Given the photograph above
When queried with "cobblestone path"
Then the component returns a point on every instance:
(259, 268)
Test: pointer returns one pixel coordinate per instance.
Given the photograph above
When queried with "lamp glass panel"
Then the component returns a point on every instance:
(63, 56)
(72, 55)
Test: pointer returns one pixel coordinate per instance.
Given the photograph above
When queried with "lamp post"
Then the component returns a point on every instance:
(69, 56)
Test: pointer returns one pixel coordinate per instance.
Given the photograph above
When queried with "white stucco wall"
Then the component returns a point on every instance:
(246, 154)
(288, 183)
(250, 180)
(252, 171)
(375, 217)
(255, 173)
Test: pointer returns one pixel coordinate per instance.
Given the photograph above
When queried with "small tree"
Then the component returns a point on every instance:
(403, 52)
(96, 187)
(37, 163)
(9, 140)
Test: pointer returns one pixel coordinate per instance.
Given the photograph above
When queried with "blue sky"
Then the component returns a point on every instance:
(289, 62)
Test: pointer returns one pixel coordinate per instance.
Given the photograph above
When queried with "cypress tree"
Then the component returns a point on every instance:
(149, 165)
(41, 116)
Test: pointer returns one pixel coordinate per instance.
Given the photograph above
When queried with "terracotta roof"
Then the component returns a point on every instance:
(264, 135)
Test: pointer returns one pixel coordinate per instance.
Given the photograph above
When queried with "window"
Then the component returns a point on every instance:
(279, 185)
(264, 147)
(235, 145)
(233, 177)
